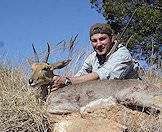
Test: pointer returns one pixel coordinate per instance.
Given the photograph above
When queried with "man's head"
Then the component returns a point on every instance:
(101, 38)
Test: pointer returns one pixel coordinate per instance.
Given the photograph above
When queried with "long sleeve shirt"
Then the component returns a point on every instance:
(119, 65)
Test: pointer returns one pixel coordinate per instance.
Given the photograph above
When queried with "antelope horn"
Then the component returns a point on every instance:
(35, 54)
(47, 53)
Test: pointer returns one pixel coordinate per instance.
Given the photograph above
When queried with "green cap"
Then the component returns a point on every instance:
(102, 28)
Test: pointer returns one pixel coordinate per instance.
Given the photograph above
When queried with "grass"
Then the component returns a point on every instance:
(19, 108)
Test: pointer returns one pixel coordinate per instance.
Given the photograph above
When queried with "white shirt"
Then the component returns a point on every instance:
(120, 65)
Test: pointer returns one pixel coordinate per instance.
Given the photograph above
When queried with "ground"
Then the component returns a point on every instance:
(131, 119)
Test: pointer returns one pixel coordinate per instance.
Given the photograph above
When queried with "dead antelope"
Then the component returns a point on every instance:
(90, 95)
(42, 72)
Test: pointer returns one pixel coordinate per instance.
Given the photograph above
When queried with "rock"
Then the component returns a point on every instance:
(130, 120)
(85, 125)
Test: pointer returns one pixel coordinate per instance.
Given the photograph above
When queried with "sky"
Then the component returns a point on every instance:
(23, 22)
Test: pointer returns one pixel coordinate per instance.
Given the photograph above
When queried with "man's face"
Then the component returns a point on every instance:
(101, 43)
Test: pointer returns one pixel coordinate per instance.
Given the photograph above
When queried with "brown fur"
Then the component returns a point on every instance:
(73, 97)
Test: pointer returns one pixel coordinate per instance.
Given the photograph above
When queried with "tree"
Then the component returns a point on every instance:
(145, 30)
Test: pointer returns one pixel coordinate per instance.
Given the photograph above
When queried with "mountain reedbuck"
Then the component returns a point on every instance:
(93, 94)
(42, 72)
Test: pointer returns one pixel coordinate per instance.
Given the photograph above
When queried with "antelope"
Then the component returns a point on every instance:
(42, 72)
(88, 96)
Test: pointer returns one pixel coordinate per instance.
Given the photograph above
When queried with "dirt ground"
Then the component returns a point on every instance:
(134, 120)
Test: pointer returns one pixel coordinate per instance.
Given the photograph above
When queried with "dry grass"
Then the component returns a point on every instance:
(19, 108)
(151, 77)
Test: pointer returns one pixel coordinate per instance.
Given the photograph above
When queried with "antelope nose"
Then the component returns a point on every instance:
(30, 81)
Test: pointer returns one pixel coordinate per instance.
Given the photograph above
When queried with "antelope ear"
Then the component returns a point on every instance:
(60, 64)
(30, 61)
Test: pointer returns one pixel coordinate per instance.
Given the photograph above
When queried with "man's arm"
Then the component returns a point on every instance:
(84, 78)
(59, 81)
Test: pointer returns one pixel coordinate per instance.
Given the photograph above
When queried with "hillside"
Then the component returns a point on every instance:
(21, 110)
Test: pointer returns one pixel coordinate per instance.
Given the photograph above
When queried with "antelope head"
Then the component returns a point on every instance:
(42, 72)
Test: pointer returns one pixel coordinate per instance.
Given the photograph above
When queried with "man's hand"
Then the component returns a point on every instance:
(58, 81)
